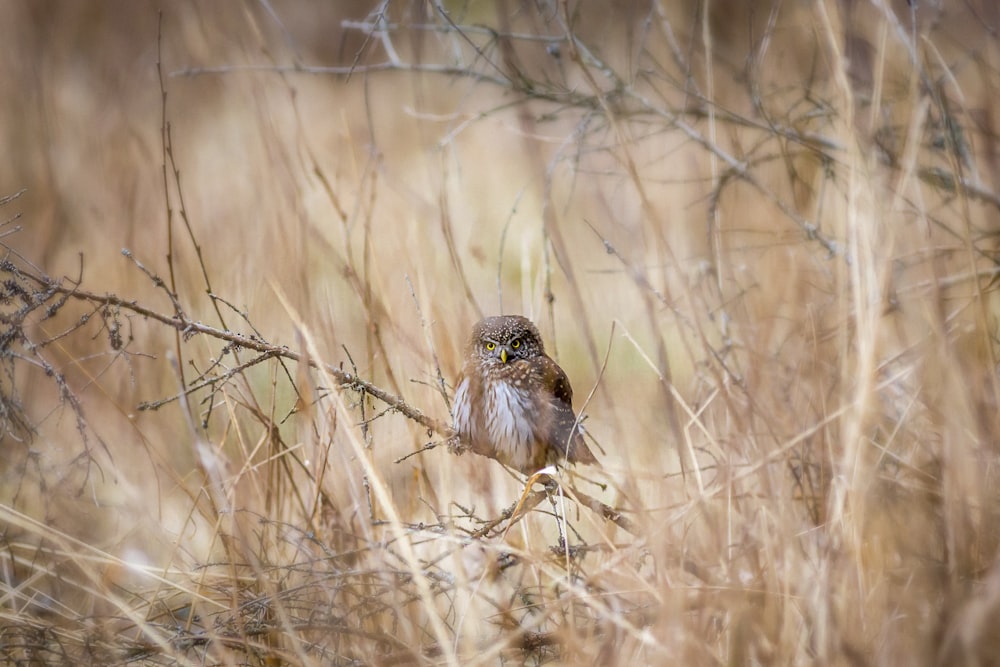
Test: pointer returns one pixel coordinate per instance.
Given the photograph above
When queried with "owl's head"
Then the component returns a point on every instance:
(502, 339)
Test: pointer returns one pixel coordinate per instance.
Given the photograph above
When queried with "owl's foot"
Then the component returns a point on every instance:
(456, 446)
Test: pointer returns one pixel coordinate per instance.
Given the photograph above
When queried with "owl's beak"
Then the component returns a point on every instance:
(503, 354)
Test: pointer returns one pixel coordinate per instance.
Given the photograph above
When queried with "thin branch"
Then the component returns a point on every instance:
(189, 328)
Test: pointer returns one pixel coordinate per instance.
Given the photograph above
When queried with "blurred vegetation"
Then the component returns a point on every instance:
(759, 236)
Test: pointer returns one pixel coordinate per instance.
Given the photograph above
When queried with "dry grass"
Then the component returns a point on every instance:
(761, 234)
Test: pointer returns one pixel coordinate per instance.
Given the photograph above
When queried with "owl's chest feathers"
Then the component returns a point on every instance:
(504, 419)
(509, 417)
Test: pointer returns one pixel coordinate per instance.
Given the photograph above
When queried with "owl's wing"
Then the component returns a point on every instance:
(563, 430)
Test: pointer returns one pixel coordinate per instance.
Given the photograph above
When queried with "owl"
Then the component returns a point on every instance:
(513, 403)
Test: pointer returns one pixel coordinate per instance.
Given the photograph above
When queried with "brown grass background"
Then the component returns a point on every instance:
(762, 233)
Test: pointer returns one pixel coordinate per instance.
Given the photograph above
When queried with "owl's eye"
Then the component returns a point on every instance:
(516, 343)
(491, 346)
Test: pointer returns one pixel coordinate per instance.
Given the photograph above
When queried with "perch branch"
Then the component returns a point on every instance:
(188, 328)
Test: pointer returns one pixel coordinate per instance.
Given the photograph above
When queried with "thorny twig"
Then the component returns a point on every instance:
(49, 287)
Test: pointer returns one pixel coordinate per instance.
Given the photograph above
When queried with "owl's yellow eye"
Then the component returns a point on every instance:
(516, 343)
(491, 346)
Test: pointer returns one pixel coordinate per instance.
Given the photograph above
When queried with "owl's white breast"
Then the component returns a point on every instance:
(509, 420)
(461, 410)
(502, 424)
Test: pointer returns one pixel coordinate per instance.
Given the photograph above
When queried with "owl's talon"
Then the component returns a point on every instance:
(456, 446)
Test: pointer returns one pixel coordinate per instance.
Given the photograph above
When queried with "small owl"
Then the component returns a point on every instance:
(513, 403)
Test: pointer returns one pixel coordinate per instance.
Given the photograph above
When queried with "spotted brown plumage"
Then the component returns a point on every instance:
(513, 403)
